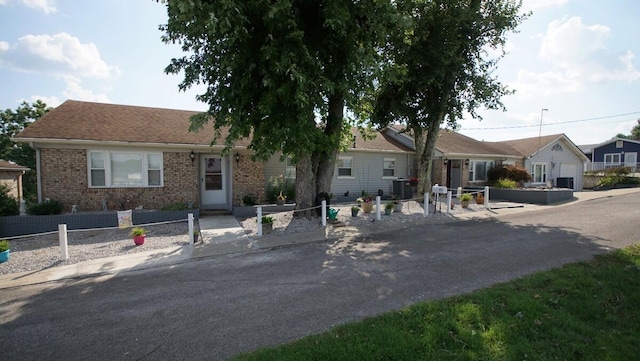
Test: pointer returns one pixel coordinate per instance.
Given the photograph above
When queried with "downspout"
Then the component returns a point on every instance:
(38, 175)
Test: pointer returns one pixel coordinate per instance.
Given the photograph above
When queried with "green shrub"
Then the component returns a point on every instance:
(505, 183)
(250, 200)
(466, 197)
(613, 176)
(45, 208)
(8, 204)
(4, 245)
(509, 172)
(280, 184)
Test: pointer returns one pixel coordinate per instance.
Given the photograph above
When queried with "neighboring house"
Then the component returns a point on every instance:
(11, 176)
(461, 161)
(93, 154)
(616, 152)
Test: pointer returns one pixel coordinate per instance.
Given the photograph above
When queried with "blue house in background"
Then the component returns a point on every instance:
(616, 152)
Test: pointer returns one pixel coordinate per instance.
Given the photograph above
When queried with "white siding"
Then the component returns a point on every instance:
(366, 172)
(554, 157)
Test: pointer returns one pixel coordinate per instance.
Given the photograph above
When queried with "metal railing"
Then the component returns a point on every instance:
(597, 166)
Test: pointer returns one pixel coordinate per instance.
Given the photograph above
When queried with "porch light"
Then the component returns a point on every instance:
(466, 162)
(192, 156)
(237, 157)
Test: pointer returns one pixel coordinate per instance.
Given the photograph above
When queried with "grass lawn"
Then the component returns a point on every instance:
(582, 311)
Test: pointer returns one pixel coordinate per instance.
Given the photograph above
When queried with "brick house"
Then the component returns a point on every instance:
(94, 155)
(11, 176)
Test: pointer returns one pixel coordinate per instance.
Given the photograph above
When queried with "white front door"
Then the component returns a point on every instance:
(213, 184)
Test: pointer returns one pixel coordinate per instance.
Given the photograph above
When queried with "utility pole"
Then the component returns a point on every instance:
(540, 132)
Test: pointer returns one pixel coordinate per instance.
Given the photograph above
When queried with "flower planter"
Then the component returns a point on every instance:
(367, 207)
(388, 211)
(354, 213)
(464, 204)
(280, 202)
(267, 228)
(138, 240)
(398, 207)
(4, 256)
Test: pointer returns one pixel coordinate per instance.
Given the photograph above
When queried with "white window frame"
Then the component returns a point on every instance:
(392, 161)
(339, 164)
(145, 168)
(544, 177)
(472, 166)
(611, 162)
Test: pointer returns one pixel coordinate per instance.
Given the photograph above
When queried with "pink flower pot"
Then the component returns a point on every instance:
(138, 240)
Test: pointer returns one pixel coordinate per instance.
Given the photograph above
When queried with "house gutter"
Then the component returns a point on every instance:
(38, 174)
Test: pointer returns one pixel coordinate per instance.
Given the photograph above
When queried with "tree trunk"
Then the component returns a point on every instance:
(426, 156)
(305, 185)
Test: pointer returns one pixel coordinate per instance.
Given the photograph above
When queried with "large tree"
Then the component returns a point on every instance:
(279, 73)
(440, 68)
(13, 122)
(635, 133)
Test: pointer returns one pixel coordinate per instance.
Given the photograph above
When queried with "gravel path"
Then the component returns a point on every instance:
(41, 252)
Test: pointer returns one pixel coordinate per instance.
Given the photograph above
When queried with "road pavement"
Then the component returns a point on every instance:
(213, 308)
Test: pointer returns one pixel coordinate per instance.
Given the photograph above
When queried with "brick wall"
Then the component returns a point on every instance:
(64, 178)
(248, 178)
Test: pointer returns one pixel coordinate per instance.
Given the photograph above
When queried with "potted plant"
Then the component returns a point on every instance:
(354, 211)
(267, 224)
(480, 199)
(281, 198)
(366, 203)
(138, 234)
(5, 249)
(196, 234)
(397, 205)
(465, 199)
(388, 208)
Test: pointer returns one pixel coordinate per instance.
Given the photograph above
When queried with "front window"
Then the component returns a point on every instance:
(539, 172)
(478, 170)
(125, 169)
(344, 166)
(388, 168)
(612, 160)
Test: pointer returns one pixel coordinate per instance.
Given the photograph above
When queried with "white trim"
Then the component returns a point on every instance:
(385, 160)
(338, 164)
(545, 172)
(108, 171)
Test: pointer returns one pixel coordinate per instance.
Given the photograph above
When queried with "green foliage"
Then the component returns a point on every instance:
(389, 205)
(466, 197)
(505, 183)
(277, 185)
(4, 245)
(45, 208)
(267, 219)
(8, 204)
(614, 176)
(250, 199)
(635, 133)
(512, 172)
(137, 231)
(11, 123)
(586, 311)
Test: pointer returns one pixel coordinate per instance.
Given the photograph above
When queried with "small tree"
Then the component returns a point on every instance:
(8, 204)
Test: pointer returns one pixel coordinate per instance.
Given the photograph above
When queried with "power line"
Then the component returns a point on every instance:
(556, 123)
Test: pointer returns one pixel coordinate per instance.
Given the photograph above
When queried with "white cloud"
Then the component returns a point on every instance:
(46, 6)
(75, 91)
(4, 46)
(52, 101)
(576, 55)
(59, 54)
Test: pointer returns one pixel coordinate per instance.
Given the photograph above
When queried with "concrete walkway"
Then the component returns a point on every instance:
(223, 235)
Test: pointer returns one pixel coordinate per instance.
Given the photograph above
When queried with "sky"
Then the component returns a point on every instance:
(574, 58)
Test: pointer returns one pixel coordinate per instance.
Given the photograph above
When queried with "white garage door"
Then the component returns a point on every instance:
(570, 170)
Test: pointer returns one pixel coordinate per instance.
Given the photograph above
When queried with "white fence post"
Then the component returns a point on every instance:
(459, 192)
(378, 208)
(62, 235)
(486, 197)
(449, 195)
(426, 204)
(324, 212)
(259, 220)
(190, 220)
